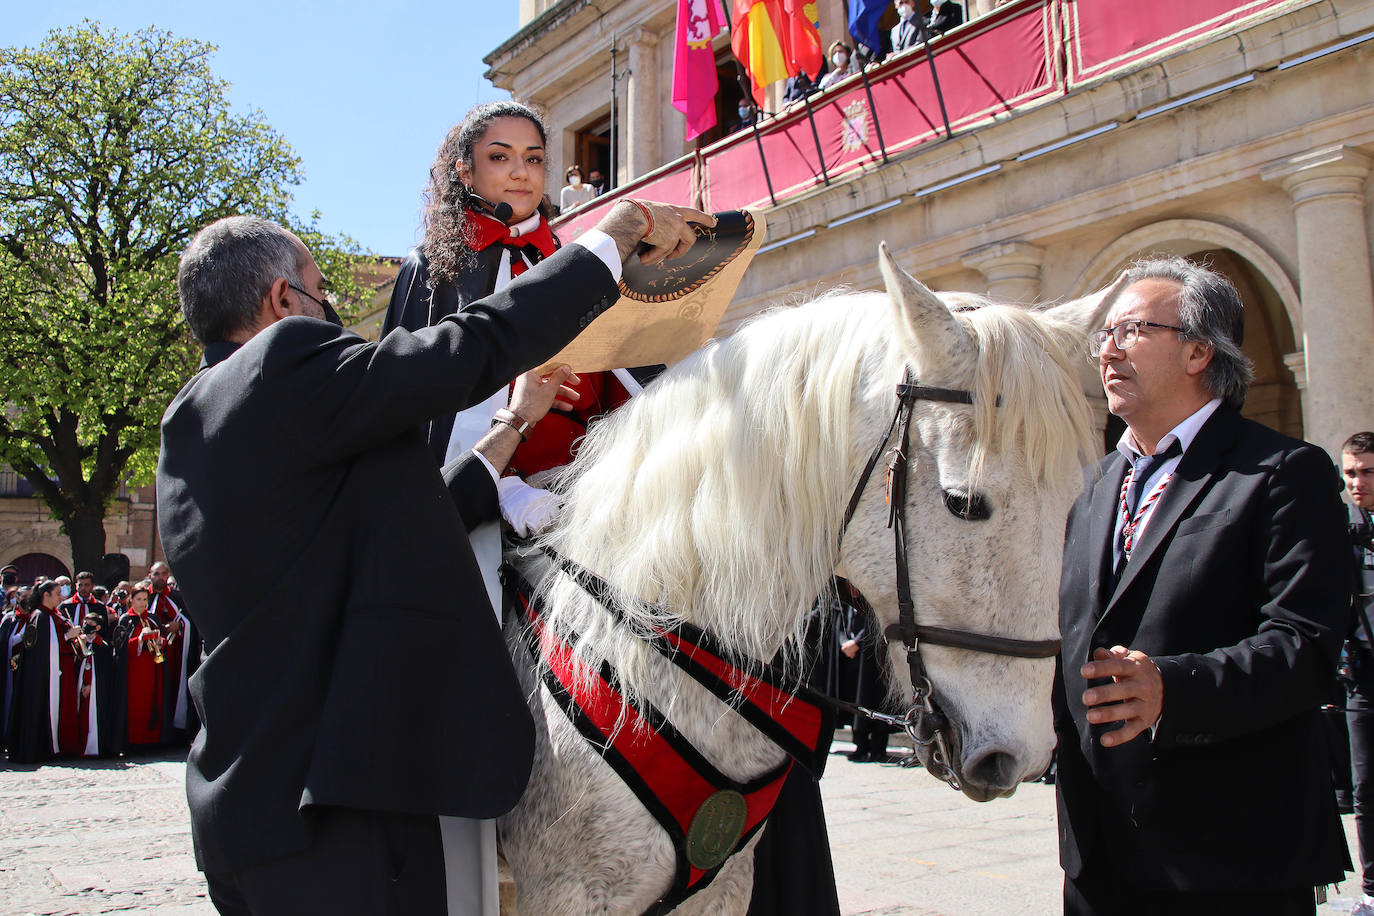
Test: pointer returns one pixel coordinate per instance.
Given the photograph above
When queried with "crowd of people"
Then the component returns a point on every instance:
(1204, 596)
(913, 30)
(96, 672)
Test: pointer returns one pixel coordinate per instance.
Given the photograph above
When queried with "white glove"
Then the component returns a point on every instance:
(528, 509)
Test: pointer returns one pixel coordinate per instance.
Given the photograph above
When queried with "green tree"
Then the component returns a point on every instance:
(114, 150)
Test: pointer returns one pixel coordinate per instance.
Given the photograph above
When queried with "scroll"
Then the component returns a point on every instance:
(669, 309)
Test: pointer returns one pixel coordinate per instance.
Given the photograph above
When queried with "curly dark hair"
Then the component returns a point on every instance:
(446, 198)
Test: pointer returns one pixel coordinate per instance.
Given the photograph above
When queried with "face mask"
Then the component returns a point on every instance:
(66, 591)
(840, 60)
(906, 12)
(743, 112)
(575, 181)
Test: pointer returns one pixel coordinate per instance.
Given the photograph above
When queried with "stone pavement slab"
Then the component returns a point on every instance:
(114, 837)
(81, 837)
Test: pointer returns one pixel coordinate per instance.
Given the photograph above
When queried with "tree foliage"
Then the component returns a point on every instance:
(114, 150)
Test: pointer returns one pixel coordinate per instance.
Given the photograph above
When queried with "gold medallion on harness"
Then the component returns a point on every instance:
(716, 829)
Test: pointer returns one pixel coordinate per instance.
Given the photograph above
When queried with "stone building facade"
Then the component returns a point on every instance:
(1246, 139)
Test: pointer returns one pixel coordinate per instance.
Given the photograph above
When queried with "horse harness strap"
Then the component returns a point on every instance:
(707, 816)
(924, 721)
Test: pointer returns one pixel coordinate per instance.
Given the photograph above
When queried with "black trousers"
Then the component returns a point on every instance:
(1099, 891)
(1360, 718)
(361, 862)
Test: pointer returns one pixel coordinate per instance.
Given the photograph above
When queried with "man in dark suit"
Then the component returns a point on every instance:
(1202, 607)
(907, 32)
(944, 15)
(341, 710)
(1357, 466)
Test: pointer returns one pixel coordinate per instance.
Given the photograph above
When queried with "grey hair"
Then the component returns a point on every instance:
(227, 269)
(1209, 310)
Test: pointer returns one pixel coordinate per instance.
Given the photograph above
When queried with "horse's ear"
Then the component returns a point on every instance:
(1090, 312)
(931, 328)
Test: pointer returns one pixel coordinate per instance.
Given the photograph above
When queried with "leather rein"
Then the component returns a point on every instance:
(924, 721)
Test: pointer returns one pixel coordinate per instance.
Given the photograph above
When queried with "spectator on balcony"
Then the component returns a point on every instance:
(748, 115)
(575, 192)
(907, 32)
(597, 181)
(944, 15)
(842, 64)
(799, 87)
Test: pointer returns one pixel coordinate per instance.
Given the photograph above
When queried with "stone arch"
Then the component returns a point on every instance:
(38, 564)
(17, 546)
(1190, 237)
(1274, 311)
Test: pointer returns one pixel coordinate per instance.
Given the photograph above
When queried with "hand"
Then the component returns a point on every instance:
(72, 633)
(86, 691)
(173, 628)
(534, 394)
(529, 510)
(850, 649)
(1135, 697)
(670, 235)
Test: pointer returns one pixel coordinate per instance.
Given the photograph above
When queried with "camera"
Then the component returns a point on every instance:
(1362, 534)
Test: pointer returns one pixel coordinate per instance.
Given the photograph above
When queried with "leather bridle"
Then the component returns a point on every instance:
(924, 721)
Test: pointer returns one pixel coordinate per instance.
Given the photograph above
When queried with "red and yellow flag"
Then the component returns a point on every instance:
(775, 39)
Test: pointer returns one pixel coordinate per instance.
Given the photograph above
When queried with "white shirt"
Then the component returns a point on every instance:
(1185, 433)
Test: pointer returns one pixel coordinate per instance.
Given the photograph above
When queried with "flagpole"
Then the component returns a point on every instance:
(614, 177)
(873, 110)
(815, 136)
(935, 78)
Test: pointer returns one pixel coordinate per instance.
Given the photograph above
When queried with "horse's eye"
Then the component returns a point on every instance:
(970, 507)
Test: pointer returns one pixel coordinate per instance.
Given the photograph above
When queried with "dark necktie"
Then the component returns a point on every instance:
(1144, 468)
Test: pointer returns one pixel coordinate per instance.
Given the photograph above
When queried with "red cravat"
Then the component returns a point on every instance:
(483, 231)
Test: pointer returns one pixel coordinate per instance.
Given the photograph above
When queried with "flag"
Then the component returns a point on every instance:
(694, 64)
(863, 23)
(775, 39)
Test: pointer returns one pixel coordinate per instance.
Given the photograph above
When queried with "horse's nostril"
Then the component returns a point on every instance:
(993, 768)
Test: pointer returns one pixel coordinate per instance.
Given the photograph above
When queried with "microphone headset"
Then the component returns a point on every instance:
(501, 211)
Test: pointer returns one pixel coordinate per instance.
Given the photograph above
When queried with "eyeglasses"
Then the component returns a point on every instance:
(327, 303)
(1124, 335)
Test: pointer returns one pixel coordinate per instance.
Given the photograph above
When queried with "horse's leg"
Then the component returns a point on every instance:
(729, 893)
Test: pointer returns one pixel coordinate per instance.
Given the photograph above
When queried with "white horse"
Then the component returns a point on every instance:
(718, 497)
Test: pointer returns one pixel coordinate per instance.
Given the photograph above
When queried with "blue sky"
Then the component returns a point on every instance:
(362, 91)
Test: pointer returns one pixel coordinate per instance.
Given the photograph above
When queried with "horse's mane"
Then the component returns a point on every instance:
(717, 495)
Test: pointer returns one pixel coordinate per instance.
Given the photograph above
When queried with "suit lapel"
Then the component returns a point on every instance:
(1106, 497)
(1194, 474)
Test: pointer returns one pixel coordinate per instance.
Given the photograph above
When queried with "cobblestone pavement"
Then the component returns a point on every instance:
(98, 837)
(113, 836)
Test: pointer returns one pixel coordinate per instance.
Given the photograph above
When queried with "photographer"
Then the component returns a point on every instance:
(1357, 466)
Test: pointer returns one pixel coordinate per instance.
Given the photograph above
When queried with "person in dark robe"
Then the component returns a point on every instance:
(52, 711)
(181, 646)
(796, 834)
(12, 624)
(92, 615)
(859, 677)
(486, 222)
(141, 656)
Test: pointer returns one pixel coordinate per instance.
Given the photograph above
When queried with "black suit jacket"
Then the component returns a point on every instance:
(354, 659)
(1237, 590)
(949, 15)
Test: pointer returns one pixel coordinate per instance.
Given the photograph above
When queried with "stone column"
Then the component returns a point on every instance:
(1337, 291)
(642, 105)
(1297, 364)
(1012, 270)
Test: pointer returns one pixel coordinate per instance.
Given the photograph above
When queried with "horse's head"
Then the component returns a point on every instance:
(989, 488)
